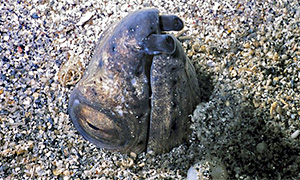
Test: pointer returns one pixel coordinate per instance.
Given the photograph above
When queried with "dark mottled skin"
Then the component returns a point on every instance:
(175, 93)
(111, 104)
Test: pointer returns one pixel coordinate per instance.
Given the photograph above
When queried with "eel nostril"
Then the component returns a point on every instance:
(170, 23)
(170, 40)
(178, 24)
(160, 43)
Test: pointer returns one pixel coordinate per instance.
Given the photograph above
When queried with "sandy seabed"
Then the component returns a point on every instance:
(247, 57)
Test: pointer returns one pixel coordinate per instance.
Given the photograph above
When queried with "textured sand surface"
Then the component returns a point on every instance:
(247, 56)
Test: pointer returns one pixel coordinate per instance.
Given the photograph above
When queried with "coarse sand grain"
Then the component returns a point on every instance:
(247, 57)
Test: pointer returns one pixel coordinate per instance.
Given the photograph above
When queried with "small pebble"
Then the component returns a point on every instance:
(246, 54)
(6, 38)
(86, 17)
(261, 147)
(295, 134)
(34, 16)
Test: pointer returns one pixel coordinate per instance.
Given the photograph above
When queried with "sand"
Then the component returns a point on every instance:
(246, 54)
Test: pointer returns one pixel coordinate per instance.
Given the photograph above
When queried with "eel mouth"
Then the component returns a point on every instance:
(97, 127)
(103, 128)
